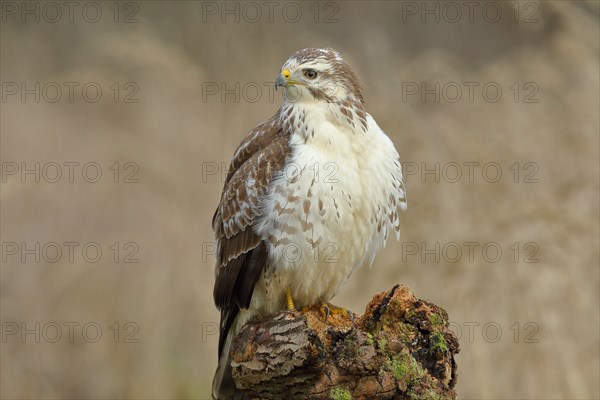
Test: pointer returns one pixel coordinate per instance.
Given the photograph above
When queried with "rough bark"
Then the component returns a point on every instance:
(400, 348)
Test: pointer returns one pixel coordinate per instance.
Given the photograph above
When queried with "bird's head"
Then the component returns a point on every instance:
(318, 75)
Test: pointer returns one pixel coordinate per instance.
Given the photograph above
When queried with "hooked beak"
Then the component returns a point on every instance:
(280, 81)
(285, 79)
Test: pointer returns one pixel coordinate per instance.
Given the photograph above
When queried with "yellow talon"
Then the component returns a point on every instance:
(290, 300)
(328, 309)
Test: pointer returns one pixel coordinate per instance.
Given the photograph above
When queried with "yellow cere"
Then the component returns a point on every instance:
(286, 73)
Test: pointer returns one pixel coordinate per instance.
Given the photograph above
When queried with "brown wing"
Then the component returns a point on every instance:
(241, 253)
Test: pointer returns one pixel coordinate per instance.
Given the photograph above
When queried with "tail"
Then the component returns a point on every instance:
(233, 291)
(223, 387)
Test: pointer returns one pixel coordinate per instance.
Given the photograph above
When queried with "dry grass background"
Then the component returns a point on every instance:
(172, 133)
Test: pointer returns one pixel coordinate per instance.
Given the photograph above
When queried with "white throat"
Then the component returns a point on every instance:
(324, 121)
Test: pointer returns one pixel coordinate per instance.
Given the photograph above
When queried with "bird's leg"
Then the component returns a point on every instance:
(290, 300)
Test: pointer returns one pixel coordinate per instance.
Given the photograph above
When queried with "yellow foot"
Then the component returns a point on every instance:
(329, 309)
(290, 300)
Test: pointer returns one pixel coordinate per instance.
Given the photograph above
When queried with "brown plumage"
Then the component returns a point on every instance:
(241, 253)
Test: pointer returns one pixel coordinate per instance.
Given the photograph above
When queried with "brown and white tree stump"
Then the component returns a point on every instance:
(400, 348)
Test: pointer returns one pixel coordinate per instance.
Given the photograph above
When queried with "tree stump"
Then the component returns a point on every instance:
(400, 348)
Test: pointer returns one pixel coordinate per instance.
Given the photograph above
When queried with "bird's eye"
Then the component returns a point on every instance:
(310, 74)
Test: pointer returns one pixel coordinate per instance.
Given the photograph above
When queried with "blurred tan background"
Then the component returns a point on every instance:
(528, 330)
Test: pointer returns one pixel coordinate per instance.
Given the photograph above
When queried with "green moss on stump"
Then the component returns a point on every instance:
(340, 394)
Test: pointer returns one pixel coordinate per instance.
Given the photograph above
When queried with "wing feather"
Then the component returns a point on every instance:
(241, 253)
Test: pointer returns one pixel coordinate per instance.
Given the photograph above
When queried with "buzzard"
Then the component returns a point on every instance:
(310, 195)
